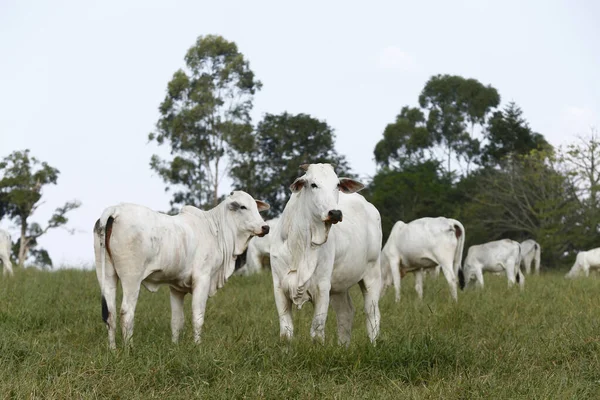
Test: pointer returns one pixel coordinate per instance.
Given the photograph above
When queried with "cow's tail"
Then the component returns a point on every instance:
(102, 232)
(537, 258)
(459, 231)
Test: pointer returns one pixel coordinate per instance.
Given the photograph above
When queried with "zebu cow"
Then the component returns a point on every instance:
(192, 252)
(313, 260)
(424, 243)
(5, 249)
(257, 256)
(585, 261)
(497, 256)
(531, 253)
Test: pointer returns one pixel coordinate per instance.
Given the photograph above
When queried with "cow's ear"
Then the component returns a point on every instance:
(297, 185)
(348, 185)
(262, 206)
(234, 206)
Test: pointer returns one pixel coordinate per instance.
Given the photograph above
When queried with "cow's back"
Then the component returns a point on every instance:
(427, 238)
(357, 238)
(147, 237)
(592, 257)
(489, 254)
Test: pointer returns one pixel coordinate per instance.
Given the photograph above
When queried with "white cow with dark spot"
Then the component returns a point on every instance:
(531, 253)
(5, 249)
(423, 244)
(585, 261)
(192, 252)
(313, 260)
(499, 256)
(257, 256)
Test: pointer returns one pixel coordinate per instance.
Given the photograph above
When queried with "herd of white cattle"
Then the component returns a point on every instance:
(196, 251)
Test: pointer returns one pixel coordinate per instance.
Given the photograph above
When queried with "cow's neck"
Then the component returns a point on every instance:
(302, 233)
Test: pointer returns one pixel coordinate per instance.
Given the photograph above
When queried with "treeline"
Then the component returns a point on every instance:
(453, 153)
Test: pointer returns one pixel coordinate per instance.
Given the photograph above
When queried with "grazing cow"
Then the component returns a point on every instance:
(585, 261)
(257, 255)
(423, 244)
(192, 252)
(313, 260)
(531, 253)
(5, 249)
(497, 256)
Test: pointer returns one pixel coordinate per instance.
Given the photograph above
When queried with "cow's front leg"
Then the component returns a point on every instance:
(177, 316)
(199, 298)
(396, 278)
(321, 301)
(284, 310)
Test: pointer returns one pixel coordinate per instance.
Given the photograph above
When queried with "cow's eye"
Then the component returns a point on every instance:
(313, 185)
(243, 207)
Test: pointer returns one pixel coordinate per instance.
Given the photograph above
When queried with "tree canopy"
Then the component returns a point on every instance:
(205, 113)
(22, 179)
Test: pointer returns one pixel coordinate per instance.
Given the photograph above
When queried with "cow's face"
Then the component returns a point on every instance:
(319, 188)
(244, 211)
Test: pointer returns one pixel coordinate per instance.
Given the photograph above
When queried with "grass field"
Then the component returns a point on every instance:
(498, 343)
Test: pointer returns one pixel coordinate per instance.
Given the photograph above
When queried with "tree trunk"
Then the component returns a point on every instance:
(23, 242)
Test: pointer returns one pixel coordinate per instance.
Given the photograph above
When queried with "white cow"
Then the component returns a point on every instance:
(257, 256)
(585, 261)
(497, 256)
(531, 253)
(425, 243)
(192, 252)
(311, 260)
(5, 249)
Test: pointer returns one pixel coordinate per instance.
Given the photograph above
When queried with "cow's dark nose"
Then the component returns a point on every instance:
(265, 229)
(335, 216)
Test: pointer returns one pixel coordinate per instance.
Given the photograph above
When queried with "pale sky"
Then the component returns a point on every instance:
(81, 81)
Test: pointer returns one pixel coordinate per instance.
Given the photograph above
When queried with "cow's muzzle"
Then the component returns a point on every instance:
(264, 230)
(334, 216)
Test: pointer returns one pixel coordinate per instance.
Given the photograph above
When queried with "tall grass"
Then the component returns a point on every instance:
(497, 343)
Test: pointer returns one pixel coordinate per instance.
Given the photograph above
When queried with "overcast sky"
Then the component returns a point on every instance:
(81, 81)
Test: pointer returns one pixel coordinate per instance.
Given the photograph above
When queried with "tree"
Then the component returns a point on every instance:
(206, 110)
(508, 133)
(528, 197)
(279, 146)
(418, 190)
(23, 178)
(453, 102)
(582, 168)
(404, 141)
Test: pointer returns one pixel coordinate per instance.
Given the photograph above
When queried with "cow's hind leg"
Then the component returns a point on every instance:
(177, 316)
(109, 298)
(131, 291)
(371, 287)
(344, 311)
(451, 279)
(419, 282)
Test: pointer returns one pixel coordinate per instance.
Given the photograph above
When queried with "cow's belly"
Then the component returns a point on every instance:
(412, 261)
(493, 268)
(181, 282)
